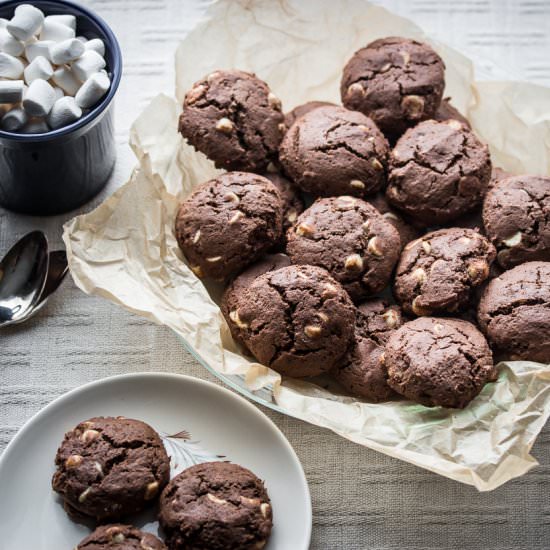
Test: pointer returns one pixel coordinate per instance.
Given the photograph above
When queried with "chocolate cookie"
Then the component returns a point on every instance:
(108, 468)
(407, 231)
(350, 239)
(361, 372)
(120, 537)
(292, 116)
(436, 273)
(438, 362)
(297, 320)
(216, 506)
(235, 289)
(446, 112)
(498, 174)
(333, 151)
(438, 171)
(234, 119)
(228, 222)
(516, 215)
(514, 312)
(293, 203)
(395, 81)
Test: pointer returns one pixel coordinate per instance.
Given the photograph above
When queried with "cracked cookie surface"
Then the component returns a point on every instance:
(333, 151)
(516, 216)
(395, 81)
(228, 222)
(120, 537)
(297, 320)
(514, 312)
(108, 468)
(292, 116)
(438, 361)
(234, 119)
(361, 372)
(235, 289)
(438, 172)
(216, 506)
(438, 272)
(350, 239)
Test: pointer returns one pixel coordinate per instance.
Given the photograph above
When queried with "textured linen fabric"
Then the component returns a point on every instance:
(361, 499)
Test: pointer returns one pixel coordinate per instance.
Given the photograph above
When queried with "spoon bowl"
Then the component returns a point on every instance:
(23, 273)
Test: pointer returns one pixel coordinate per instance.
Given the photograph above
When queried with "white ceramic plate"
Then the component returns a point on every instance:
(219, 423)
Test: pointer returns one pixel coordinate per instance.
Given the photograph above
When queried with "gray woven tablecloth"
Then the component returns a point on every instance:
(361, 499)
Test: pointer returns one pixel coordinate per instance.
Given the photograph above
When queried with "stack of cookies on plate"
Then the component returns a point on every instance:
(374, 240)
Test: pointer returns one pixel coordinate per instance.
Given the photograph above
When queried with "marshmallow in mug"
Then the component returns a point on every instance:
(64, 73)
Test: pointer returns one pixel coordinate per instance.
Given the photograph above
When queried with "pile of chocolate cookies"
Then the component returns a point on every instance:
(401, 195)
(109, 468)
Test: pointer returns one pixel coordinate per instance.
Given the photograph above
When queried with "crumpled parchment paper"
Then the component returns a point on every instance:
(125, 250)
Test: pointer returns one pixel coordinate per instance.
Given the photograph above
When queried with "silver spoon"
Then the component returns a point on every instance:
(58, 268)
(23, 274)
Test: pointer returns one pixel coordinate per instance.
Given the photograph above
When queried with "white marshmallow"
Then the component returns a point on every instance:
(40, 47)
(64, 111)
(66, 51)
(10, 66)
(65, 79)
(11, 91)
(97, 45)
(82, 39)
(67, 20)
(51, 30)
(59, 93)
(26, 22)
(14, 120)
(40, 68)
(39, 98)
(35, 126)
(10, 44)
(88, 64)
(92, 90)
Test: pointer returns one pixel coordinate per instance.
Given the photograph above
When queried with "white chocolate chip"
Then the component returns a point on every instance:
(84, 495)
(382, 358)
(224, 125)
(464, 240)
(214, 259)
(89, 435)
(438, 328)
(323, 317)
(291, 216)
(353, 262)
(413, 105)
(406, 57)
(305, 230)
(195, 94)
(390, 216)
(419, 275)
(346, 201)
(385, 68)
(197, 270)
(232, 197)
(151, 490)
(197, 236)
(455, 124)
(274, 101)
(426, 247)
(514, 240)
(271, 168)
(282, 127)
(250, 501)
(373, 247)
(98, 467)
(391, 318)
(73, 461)
(234, 316)
(418, 309)
(212, 76)
(357, 184)
(355, 90)
(312, 331)
(264, 507)
(376, 164)
(118, 538)
(366, 226)
(236, 217)
(215, 499)
(478, 270)
(329, 290)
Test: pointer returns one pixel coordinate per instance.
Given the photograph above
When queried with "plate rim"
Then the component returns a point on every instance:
(22, 432)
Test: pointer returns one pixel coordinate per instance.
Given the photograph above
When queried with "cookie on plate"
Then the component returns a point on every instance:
(350, 239)
(297, 320)
(437, 273)
(514, 312)
(228, 222)
(333, 151)
(438, 172)
(293, 203)
(361, 372)
(234, 119)
(120, 537)
(407, 231)
(216, 506)
(239, 284)
(108, 468)
(301, 110)
(446, 111)
(438, 362)
(516, 216)
(395, 81)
